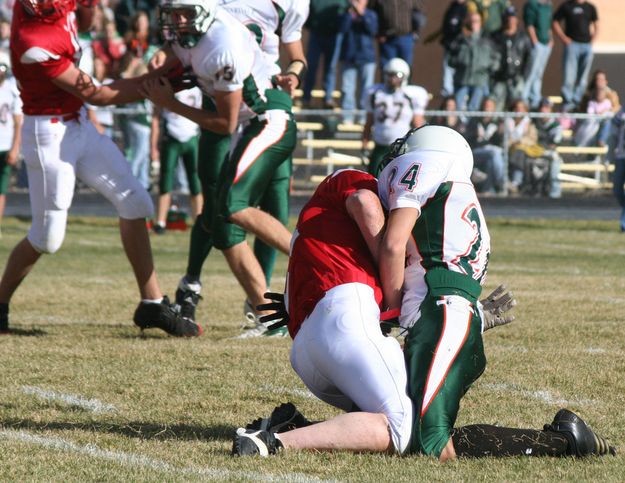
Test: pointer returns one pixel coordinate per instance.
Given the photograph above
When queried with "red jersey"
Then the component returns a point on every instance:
(328, 248)
(41, 51)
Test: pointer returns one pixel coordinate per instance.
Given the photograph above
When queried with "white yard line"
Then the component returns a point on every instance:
(70, 399)
(133, 460)
(288, 390)
(541, 395)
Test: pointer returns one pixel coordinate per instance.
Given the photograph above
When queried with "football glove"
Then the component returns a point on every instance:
(280, 317)
(495, 308)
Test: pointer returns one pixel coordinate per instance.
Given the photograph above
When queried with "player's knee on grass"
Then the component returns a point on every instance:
(47, 231)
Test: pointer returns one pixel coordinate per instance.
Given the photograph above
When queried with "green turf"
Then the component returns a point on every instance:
(176, 402)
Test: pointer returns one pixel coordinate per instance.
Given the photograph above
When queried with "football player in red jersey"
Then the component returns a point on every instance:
(60, 145)
(333, 297)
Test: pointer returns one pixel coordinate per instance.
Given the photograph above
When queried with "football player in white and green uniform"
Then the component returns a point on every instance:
(179, 140)
(232, 71)
(392, 109)
(426, 187)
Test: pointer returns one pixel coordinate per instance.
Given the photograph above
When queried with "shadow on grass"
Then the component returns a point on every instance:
(139, 430)
(26, 332)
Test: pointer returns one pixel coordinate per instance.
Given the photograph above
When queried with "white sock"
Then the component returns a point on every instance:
(151, 301)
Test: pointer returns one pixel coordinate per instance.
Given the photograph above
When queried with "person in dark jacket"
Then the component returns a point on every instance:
(515, 50)
(324, 41)
(359, 26)
(475, 60)
(399, 24)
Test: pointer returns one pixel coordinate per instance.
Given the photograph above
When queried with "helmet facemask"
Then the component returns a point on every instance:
(184, 22)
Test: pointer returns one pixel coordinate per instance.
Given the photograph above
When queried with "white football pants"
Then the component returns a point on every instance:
(343, 358)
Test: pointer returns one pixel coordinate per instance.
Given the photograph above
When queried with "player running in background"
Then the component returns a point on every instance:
(180, 138)
(60, 145)
(232, 71)
(427, 189)
(276, 24)
(10, 128)
(392, 109)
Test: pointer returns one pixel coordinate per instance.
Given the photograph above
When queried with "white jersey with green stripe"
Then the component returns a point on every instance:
(179, 127)
(393, 111)
(450, 232)
(226, 59)
(271, 21)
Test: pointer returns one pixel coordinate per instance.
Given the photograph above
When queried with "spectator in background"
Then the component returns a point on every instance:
(581, 24)
(393, 108)
(522, 138)
(549, 131)
(599, 98)
(452, 119)
(450, 31)
(515, 50)
(359, 26)
(137, 128)
(10, 127)
(5, 34)
(475, 60)
(108, 49)
(617, 154)
(126, 11)
(491, 12)
(537, 15)
(324, 41)
(400, 22)
(179, 140)
(485, 136)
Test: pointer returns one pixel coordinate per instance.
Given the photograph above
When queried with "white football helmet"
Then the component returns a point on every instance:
(185, 21)
(434, 138)
(397, 68)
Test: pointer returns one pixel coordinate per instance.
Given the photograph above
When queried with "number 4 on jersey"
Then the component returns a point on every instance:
(409, 178)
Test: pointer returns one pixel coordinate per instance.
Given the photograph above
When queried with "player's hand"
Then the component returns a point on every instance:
(159, 91)
(12, 157)
(157, 60)
(280, 316)
(288, 83)
(496, 306)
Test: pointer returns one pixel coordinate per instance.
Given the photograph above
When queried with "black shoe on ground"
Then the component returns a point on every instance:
(248, 442)
(4, 318)
(159, 229)
(582, 440)
(187, 297)
(283, 418)
(163, 316)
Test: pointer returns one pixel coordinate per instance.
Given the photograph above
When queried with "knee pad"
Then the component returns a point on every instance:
(47, 231)
(135, 203)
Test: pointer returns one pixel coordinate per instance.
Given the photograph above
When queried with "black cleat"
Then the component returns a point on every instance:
(249, 442)
(4, 318)
(582, 440)
(187, 297)
(163, 316)
(283, 418)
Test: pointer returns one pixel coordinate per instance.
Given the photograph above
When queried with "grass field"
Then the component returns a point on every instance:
(84, 396)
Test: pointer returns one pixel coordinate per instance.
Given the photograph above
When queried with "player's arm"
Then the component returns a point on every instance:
(418, 120)
(82, 85)
(293, 76)
(14, 151)
(224, 121)
(393, 254)
(366, 210)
